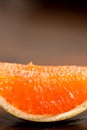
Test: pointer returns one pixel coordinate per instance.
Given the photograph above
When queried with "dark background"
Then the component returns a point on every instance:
(49, 32)
(46, 32)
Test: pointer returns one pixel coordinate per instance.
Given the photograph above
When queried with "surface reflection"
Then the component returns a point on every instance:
(8, 121)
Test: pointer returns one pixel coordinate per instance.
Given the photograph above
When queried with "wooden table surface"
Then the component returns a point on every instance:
(8, 122)
(46, 35)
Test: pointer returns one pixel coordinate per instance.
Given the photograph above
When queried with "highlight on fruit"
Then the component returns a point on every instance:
(43, 93)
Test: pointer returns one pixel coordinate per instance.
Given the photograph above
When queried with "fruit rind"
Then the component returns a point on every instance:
(42, 118)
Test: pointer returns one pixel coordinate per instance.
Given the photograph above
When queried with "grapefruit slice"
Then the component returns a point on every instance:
(43, 93)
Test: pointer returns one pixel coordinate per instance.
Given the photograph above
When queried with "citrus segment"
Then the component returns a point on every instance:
(43, 91)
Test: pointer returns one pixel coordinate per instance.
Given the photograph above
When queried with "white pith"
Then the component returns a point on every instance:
(42, 118)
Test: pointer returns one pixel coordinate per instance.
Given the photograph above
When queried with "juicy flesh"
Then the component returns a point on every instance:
(41, 90)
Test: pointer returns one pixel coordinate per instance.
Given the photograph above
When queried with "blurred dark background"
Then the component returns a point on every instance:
(46, 32)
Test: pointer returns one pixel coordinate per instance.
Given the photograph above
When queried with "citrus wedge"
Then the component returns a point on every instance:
(43, 93)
